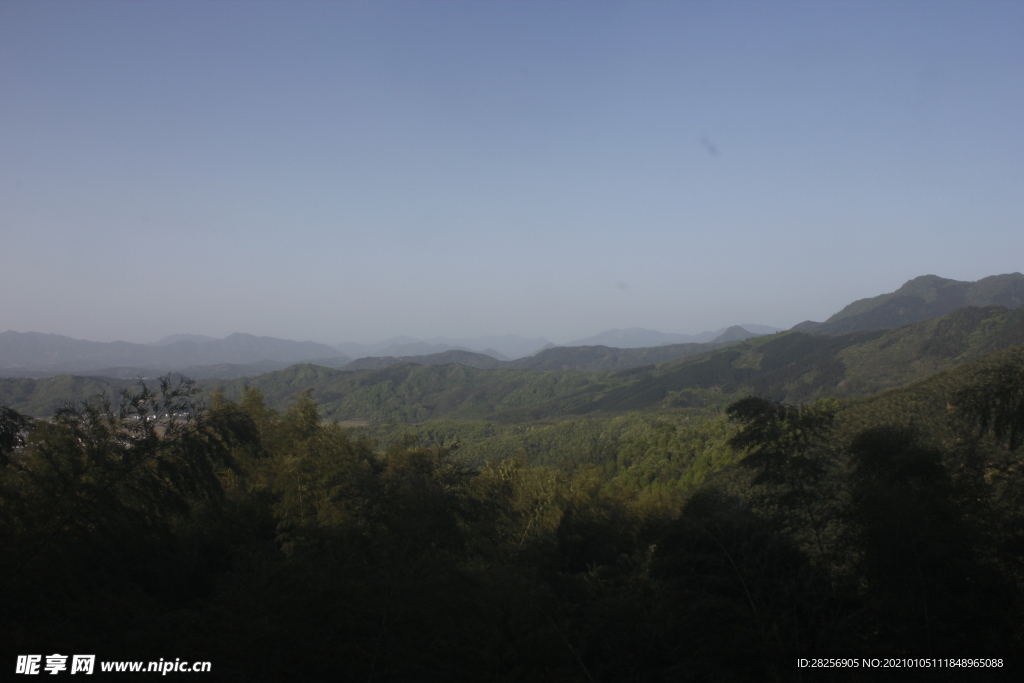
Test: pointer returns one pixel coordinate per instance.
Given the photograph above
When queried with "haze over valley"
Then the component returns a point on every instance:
(34, 354)
(907, 310)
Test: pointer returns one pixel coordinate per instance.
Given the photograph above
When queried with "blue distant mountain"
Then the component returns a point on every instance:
(198, 338)
(505, 347)
(28, 353)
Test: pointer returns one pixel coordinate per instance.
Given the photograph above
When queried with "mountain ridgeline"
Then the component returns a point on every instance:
(789, 366)
(586, 357)
(855, 353)
(637, 337)
(32, 352)
(922, 298)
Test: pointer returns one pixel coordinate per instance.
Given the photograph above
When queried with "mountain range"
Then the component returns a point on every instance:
(32, 354)
(584, 357)
(922, 298)
(791, 366)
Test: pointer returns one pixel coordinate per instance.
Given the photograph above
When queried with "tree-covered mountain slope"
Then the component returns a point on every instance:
(797, 367)
(791, 366)
(922, 298)
(407, 392)
(673, 448)
(42, 397)
(927, 405)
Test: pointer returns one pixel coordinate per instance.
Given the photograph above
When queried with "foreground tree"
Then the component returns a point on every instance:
(796, 470)
(14, 427)
(101, 502)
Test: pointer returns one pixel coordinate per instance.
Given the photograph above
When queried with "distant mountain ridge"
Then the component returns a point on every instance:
(923, 298)
(789, 366)
(593, 357)
(33, 354)
(734, 334)
(22, 352)
(505, 347)
(468, 358)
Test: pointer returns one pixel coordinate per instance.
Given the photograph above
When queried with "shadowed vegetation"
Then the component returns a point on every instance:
(675, 545)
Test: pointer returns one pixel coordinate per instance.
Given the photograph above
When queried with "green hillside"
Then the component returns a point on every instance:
(925, 405)
(792, 366)
(664, 453)
(407, 392)
(922, 298)
(42, 397)
(798, 367)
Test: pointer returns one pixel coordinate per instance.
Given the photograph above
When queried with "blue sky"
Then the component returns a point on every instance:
(353, 171)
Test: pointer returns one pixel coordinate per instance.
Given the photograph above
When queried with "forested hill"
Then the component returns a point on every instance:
(791, 366)
(922, 298)
(42, 397)
(926, 405)
(678, 447)
(797, 367)
(408, 392)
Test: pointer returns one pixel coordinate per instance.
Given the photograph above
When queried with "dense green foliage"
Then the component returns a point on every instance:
(44, 397)
(651, 455)
(412, 393)
(661, 546)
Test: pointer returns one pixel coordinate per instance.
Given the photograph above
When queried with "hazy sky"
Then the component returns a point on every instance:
(348, 171)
